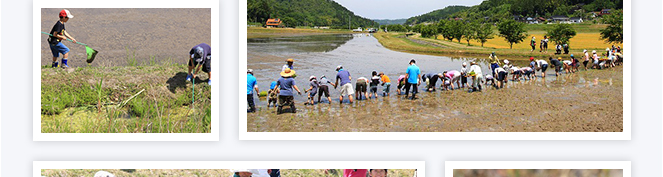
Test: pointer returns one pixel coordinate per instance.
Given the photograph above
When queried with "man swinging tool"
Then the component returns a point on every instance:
(58, 33)
(200, 56)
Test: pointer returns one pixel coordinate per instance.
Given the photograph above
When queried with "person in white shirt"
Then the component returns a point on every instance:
(289, 62)
(463, 74)
(595, 59)
(527, 72)
(500, 76)
(542, 65)
(477, 76)
(586, 58)
(515, 73)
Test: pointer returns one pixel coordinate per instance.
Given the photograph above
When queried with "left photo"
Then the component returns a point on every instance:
(137, 70)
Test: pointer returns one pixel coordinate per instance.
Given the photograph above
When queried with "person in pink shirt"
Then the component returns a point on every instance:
(401, 84)
(452, 76)
(355, 172)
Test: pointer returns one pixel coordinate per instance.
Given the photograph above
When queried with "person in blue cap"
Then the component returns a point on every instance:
(58, 33)
(200, 57)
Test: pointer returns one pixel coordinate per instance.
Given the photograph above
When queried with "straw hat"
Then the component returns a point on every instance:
(288, 72)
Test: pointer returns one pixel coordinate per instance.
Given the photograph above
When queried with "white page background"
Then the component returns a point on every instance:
(18, 150)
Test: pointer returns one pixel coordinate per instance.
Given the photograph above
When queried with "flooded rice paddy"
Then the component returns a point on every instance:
(588, 101)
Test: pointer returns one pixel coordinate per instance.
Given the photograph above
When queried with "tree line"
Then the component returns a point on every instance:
(497, 10)
(512, 31)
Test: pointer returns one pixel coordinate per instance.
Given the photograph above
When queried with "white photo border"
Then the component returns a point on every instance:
(245, 135)
(36, 77)
(37, 166)
(449, 166)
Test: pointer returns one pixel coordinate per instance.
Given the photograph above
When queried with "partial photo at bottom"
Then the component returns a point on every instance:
(538, 169)
(230, 169)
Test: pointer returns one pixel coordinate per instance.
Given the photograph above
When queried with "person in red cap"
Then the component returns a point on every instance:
(59, 33)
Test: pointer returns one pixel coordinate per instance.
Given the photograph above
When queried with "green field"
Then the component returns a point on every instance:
(151, 98)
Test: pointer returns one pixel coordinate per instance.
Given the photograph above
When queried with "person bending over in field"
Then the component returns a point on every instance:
(312, 90)
(200, 56)
(500, 75)
(557, 64)
(386, 83)
(515, 73)
(431, 80)
(324, 89)
(527, 72)
(401, 84)
(454, 77)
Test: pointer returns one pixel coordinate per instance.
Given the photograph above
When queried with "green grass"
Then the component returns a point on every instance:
(90, 100)
(131, 56)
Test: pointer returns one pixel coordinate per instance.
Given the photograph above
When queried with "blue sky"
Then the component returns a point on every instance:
(396, 9)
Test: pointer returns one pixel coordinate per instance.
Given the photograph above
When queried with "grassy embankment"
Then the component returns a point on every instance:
(149, 98)
(260, 32)
(203, 172)
(587, 38)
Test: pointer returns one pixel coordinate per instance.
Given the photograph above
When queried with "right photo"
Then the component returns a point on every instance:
(538, 172)
(482, 66)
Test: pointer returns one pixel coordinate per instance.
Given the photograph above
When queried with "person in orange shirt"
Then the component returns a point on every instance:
(386, 83)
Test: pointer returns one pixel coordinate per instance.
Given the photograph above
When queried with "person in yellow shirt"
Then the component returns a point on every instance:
(494, 62)
(386, 83)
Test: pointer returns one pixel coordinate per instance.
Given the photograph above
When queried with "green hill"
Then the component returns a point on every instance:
(390, 21)
(306, 13)
(435, 15)
(496, 10)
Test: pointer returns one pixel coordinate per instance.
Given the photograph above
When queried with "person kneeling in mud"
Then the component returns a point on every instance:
(312, 90)
(500, 75)
(431, 80)
(285, 84)
(200, 56)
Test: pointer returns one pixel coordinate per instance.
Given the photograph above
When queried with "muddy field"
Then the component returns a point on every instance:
(149, 35)
(588, 101)
(538, 172)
